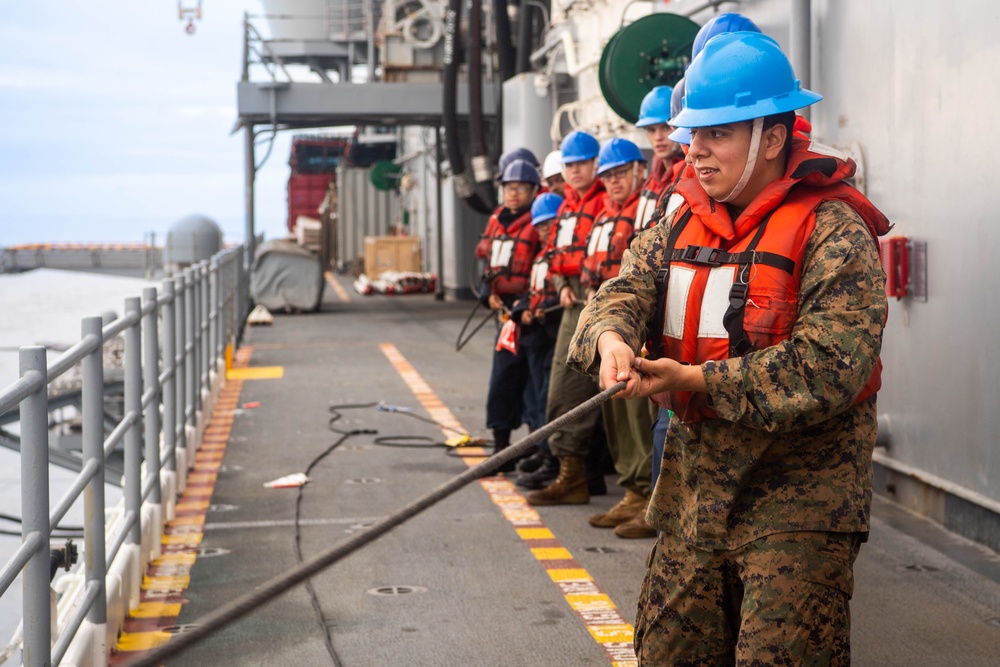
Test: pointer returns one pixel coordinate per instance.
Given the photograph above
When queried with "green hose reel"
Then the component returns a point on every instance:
(652, 51)
(385, 175)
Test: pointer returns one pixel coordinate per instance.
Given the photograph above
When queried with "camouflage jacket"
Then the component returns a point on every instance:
(790, 451)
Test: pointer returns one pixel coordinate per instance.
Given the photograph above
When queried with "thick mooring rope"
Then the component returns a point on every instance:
(270, 590)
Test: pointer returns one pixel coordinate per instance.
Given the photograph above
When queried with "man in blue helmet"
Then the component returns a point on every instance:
(628, 424)
(567, 389)
(668, 155)
(508, 247)
(538, 314)
(762, 300)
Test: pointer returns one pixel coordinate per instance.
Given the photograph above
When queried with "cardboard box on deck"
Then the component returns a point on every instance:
(391, 253)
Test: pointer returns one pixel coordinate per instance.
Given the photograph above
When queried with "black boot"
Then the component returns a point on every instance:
(533, 462)
(501, 441)
(539, 479)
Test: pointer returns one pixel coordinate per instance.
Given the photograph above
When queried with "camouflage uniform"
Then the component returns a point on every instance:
(789, 452)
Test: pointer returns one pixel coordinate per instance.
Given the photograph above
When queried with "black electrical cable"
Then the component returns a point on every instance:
(461, 342)
(476, 75)
(524, 37)
(268, 591)
(313, 597)
(464, 185)
(505, 48)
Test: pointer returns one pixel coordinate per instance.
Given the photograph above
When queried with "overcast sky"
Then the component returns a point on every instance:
(114, 122)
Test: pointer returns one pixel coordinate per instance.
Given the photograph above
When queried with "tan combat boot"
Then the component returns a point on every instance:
(570, 487)
(636, 527)
(626, 509)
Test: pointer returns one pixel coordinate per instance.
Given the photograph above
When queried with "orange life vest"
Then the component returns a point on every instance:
(509, 253)
(572, 227)
(541, 287)
(716, 268)
(656, 192)
(612, 232)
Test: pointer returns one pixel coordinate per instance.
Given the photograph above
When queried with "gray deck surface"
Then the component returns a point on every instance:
(923, 596)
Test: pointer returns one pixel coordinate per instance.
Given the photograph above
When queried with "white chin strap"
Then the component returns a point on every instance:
(758, 129)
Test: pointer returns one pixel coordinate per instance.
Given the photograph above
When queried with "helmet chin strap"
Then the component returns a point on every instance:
(758, 129)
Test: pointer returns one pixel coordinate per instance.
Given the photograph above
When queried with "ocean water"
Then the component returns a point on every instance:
(45, 307)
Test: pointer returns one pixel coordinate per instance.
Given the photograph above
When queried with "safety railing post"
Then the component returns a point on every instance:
(180, 360)
(35, 510)
(190, 374)
(169, 391)
(92, 412)
(204, 330)
(195, 327)
(133, 410)
(219, 320)
(151, 383)
(213, 315)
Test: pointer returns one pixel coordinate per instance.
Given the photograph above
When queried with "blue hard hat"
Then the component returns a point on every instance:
(720, 25)
(521, 171)
(617, 152)
(681, 135)
(579, 146)
(740, 76)
(655, 107)
(517, 154)
(545, 207)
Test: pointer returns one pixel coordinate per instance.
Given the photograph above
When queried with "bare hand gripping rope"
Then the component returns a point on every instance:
(268, 591)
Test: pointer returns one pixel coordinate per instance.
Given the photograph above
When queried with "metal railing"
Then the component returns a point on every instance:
(175, 343)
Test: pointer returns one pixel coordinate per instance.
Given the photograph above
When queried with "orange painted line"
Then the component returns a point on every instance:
(341, 293)
(603, 620)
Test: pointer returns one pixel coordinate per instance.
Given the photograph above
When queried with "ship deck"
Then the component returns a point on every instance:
(480, 578)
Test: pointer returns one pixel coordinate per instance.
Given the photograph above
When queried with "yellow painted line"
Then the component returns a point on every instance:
(569, 574)
(604, 634)
(142, 641)
(176, 558)
(257, 373)
(193, 539)
(155, 609)
(174, 583)
(336, 287)
(558, 553)
(193, 505)
(593, 607)
(535, 534)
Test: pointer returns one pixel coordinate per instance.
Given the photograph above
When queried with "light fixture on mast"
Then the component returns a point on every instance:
(189, 13)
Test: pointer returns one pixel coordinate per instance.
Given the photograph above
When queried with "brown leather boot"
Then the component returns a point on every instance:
(570, 487)
(635, 528)
(626, 509)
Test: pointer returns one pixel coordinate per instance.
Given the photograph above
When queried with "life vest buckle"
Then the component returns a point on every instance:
(695, 254)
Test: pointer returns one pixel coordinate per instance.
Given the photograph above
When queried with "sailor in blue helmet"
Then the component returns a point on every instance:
(508, 247)
(567, 389)
(761, 300)
(627, 424)
(668, 155)
(538, 314)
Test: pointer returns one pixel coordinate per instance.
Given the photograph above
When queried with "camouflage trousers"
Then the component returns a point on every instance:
(779, 600)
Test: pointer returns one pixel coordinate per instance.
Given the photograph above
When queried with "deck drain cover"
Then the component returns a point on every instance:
(364, 480)
(601, 550)
(395, 590)
(355, 527)
(222, 508)
(209, 552)
(181, 629)
(921, 568)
